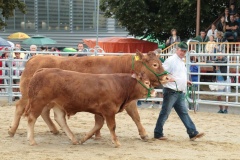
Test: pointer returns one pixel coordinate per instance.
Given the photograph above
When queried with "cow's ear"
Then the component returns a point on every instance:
(139, 54)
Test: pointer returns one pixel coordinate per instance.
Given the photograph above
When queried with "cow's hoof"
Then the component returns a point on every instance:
(55, 132)
(83, 140)
(98, 137)
(117, 145)
(145, 138)
(32, 143)
(11, 134)
(75, 142)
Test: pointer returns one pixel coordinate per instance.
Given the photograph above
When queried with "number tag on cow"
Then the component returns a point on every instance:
(137, 58)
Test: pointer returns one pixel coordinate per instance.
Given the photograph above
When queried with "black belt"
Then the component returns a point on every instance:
(173, 90)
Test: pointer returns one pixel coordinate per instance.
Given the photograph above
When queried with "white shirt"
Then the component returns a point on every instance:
(176, 67)
(210, 32)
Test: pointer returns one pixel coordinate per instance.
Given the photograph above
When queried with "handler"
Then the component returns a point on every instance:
(173, 94)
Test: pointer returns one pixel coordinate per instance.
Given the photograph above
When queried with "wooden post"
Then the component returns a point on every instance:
(198, 17)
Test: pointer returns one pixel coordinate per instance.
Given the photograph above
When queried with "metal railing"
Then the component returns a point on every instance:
(231, 48)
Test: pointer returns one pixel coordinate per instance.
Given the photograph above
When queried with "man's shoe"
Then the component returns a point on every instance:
(162, 138)
(220, 111)
(225, 111)
(199, 135)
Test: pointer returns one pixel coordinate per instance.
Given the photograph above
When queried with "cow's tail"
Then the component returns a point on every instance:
(27, 109)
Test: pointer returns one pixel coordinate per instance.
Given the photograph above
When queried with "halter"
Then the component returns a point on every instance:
(156, 74)
(149, 89)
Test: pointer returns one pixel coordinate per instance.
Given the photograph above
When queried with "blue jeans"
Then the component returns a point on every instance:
(228, 34)
(176, 100)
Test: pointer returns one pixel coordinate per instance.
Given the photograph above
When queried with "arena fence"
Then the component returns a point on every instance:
(11, 72)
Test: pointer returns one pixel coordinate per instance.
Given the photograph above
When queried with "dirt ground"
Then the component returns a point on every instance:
(221, 141)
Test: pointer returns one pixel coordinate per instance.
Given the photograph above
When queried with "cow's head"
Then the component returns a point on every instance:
(151, 65)
(143, 87)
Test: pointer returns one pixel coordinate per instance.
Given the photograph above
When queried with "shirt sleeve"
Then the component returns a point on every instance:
(167, 65)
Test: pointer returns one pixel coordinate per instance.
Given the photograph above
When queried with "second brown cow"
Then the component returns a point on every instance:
(101, 94)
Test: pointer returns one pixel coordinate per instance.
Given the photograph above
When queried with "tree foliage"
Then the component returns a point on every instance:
(158, 17)
(7, 8)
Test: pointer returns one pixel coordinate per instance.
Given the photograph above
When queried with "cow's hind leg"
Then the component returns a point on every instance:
(60, 118)
(31, 122)
(133, 113)
(20, 107)
(35, 109)
(110, 120)
(46, 117)
(99, 121)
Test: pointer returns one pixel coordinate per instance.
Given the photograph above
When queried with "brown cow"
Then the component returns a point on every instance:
(150, 64)
(101, 94)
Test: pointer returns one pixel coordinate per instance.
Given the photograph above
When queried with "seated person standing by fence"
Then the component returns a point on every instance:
(210, 47)
(16, 72)
(212, 31)
(220, 47)
(29, 55)
(202, 38)
(221, 79)
(231, 29)
(221, 26)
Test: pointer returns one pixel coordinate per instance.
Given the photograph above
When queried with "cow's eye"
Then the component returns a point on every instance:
(155, 65)
(147, 82)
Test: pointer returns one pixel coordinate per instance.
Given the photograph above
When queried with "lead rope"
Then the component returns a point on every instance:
(149, 89)
(190, 90)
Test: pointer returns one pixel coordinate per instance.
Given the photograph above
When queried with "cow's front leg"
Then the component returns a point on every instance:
(46, 117)
(110, 120)
(133, 113)
(97, 133)
(59, 116)
(99, 121)
(20, 106)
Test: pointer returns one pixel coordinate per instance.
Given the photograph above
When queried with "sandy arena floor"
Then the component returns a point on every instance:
(222, 139)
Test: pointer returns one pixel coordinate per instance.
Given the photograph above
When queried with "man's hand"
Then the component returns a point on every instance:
(189, 83)
(171, 80)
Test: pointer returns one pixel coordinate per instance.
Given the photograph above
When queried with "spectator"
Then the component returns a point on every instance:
(220, 47)
(54, 49)
(33, 48)
(194, 78)
(221, 26)
(212, 31)
(16, 72)
(221, 79)
(237, 19)
(226, 15)
(210, 47)
(174, 97)
(232, 9)
(18, 47)
(80, 49)
(202, 38)
(194, 69)
(231, 29)
(5, 55)
(173, 38)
